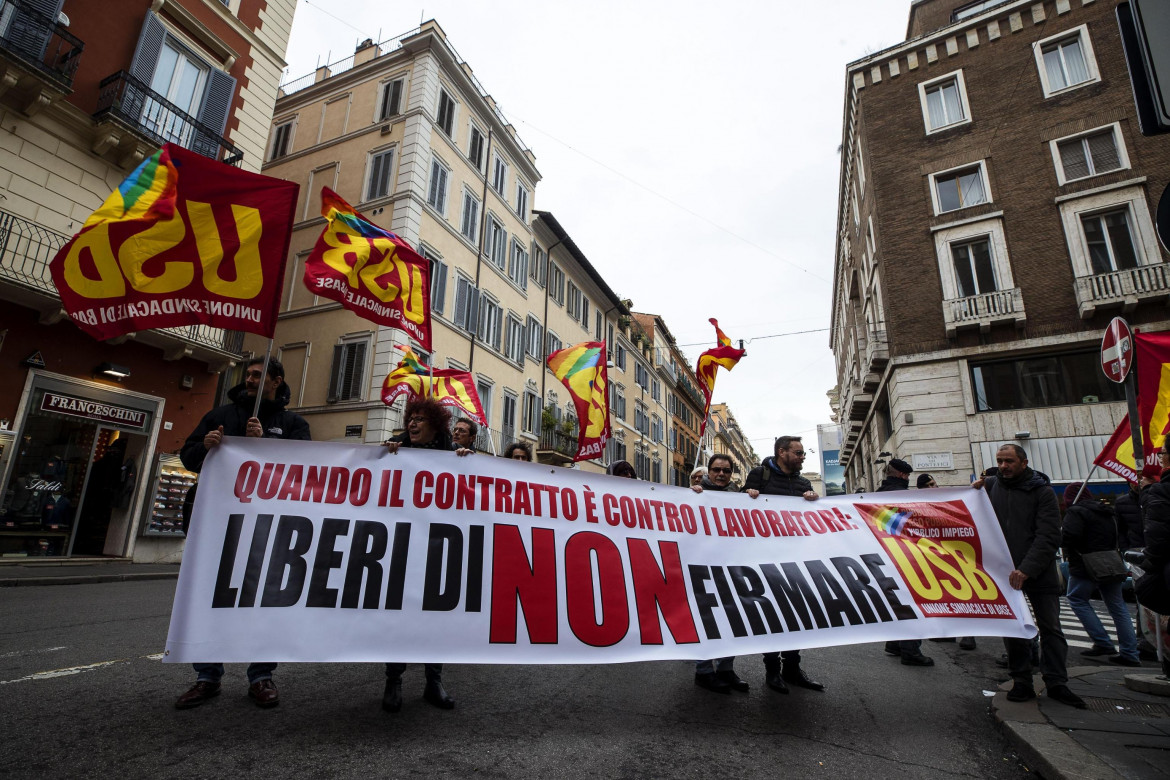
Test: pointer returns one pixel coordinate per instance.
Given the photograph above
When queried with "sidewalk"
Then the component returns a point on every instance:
(29, 572)
(1122, 734)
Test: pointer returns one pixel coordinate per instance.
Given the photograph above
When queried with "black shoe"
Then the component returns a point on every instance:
(436, 695)
(794, 675)
(1097, 650)
(1062, 694)
(734, 680)
(1021, 692)
(1121, 660)
(711, 682)
(917, 660)
(392, 696)
(773, 679)
(967, 643)
(892, 648)
(1148, 653)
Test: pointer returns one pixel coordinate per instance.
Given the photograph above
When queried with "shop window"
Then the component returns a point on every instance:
(1036, 381)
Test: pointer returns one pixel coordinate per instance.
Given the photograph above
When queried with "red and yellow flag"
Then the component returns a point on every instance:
(1153, 387)
(581, 368)
(184, 240)
(448, 386)
(370, 271)
(1117, 456)
(725, 356)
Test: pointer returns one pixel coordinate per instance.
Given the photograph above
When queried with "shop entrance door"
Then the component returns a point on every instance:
(108, 496)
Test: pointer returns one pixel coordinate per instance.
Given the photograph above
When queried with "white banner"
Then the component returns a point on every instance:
(315, 551)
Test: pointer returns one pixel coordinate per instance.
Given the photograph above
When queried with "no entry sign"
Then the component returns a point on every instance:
(1117, 350)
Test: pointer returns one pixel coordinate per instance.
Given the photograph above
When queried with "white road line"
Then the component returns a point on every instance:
(63, 672)
(30, 652)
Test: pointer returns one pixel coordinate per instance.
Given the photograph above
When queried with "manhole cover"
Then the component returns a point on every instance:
(1126, 707)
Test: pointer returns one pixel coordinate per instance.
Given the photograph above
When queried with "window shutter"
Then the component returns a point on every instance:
(473, 306)
(28, 33)
(142, 66)
(461, 302)
(335, 374)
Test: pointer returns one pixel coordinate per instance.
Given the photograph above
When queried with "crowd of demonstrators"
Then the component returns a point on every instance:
(272, 421)
(1154, 589)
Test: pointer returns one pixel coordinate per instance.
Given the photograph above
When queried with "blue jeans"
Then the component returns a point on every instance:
(716, 665)
(1080, 589)
(214, 672)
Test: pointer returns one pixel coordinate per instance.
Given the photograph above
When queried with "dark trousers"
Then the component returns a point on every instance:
(433, 671)
(907, 648)
(790, 657)
(1053, 647)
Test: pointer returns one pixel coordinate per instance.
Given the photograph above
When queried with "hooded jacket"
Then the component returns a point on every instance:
(278, 422)
(770, 479)
(1030, 519)
(1088, 527)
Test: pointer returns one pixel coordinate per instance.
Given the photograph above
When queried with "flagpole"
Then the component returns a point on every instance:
(263, 379)
(1085, 482)
(699, 449)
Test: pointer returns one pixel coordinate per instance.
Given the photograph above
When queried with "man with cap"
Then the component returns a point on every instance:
(910, 650)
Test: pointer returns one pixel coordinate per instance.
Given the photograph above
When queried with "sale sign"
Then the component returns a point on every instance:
(184, 240)
(326, 551)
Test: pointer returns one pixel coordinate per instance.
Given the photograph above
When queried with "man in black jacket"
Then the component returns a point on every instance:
(235, 419)
(909, 650)
(1030, 519)
(780, 476)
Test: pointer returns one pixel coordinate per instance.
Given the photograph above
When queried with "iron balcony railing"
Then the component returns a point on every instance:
(39, 40)
(983, 309)
(26, 249)
(556, 441)
(1145, 281)
(130, 100)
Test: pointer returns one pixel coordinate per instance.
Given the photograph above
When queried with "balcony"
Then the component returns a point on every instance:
(26, 249)
(556, 447)
(857, 402)
(1124, 288)
(667, 371)
(877, 351)
(38, 57)
(983, 311)
(127, 105)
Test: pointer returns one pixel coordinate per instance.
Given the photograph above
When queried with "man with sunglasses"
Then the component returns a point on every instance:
(780, 476)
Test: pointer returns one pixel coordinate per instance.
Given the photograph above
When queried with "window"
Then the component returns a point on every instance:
(556, 284)
(656, 470)
(598, 326)
(390, 100)
(1051, 380)
(959, 189)
(484, 388)
(438, 282)
(538, 270)
(469, 222)
(1109, 240)
(1065, 61)
(281, 140)
(619, 402)
(642, 464)
(944, 102)
(974, 271)
(437, 193)
(475, 147)
(1090, 154)
(514, 340)
(554, 343)
(535, 333)
(497, 242)
(656, 390)
(656, 429)
(522, 201)
(499, 174)
(641, 419)
(518, 264)
(466, 304)
(972, 9)
(641, 376)
(584, 312)
(615, 450)
(346, 378)
(530, 413)
(489, 322)
(508, 417)
(574, 307)
(446, 115)
(619, 357)
(381, 166)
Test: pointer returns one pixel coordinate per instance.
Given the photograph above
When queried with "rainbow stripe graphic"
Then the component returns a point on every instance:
(334, 207)
(892, 520)
(152, 185)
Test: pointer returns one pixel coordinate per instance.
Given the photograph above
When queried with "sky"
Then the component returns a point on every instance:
(689, 148)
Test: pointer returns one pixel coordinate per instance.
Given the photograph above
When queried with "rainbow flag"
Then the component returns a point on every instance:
(448, 386)
(891, 520)
(581, 369)
(722, 356)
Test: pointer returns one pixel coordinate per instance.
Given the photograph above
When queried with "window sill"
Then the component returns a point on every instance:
(945, 128)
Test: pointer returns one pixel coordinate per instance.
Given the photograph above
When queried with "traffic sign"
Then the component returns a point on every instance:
(1117, 350)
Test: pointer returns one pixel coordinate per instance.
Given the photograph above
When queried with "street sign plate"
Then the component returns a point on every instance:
(1117, 350)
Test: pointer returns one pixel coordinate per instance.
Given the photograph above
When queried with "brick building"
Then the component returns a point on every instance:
(995, 211)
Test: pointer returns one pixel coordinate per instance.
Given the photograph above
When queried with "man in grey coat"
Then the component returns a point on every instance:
(1030, 519)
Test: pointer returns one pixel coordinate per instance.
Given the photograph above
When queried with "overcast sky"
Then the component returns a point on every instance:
(690, 149)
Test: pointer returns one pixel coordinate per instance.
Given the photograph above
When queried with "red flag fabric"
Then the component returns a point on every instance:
(1117, 455)
(370, 271)
(1153, 387)
(725, 356)
(448, 386)
(581, 369)
(184, 240)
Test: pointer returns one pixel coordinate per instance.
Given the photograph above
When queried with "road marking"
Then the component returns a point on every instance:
(63, 672)
(30, 652)
(155, 657)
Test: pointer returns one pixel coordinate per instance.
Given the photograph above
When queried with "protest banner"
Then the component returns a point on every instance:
(323, 551)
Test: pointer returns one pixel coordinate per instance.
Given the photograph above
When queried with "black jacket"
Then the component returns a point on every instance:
(1156, 514)
(1127, 512)
(1030, 519)
(442, 441)
(770, 479)
(893, 483)
(707, 484)
(278, 422)
(1088, 527)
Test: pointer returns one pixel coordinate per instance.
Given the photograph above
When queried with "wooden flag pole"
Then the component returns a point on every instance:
(263, 379)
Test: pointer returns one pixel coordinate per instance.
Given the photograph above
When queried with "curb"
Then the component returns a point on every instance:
(85, 579)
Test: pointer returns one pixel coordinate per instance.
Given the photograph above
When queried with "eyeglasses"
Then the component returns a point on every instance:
(797, 453)
(417, 419)
(719, 471)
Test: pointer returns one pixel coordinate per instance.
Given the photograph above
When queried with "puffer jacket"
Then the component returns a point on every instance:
(278, 422)
(1088, 527)
(1127, 512)
(1156, 516)
(770, 479)
(1030, 519)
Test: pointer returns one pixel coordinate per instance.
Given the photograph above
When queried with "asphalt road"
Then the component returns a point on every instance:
(83, 693)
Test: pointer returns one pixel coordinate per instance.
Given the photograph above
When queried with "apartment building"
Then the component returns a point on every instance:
(730, 440)
(87, 91)
(994, 212)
